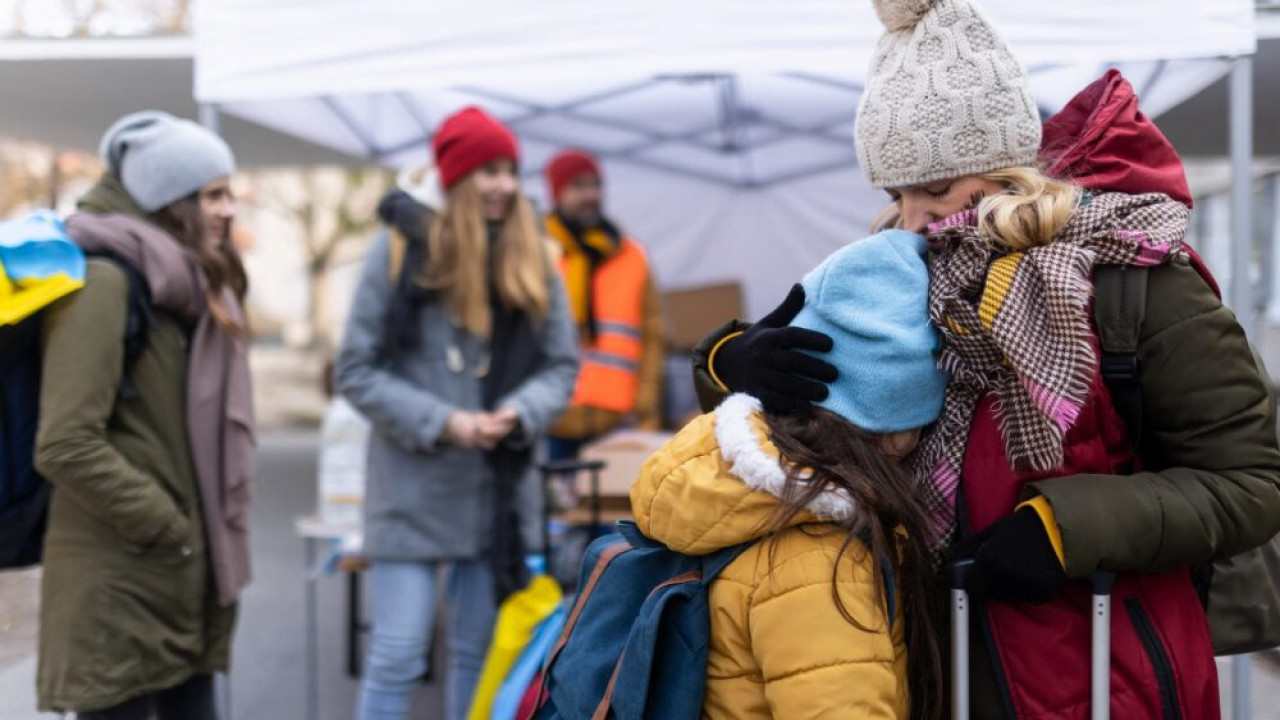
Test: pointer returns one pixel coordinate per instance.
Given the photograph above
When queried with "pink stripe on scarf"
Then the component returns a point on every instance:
(1149, 254)
(1060, 410)
(945, 481)
(964, 218)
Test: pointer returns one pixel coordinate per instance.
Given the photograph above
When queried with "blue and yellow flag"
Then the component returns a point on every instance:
(39, 263)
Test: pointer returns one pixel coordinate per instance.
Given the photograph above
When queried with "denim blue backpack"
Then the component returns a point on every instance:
(635, 644)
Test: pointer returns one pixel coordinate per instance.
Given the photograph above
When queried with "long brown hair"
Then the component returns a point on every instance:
(220, 262)
(458, 260)
(823, 452)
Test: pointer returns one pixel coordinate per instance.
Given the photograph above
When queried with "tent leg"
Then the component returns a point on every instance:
(1269, 215)
(1242, 296)
(211, 117)
(1241, 692)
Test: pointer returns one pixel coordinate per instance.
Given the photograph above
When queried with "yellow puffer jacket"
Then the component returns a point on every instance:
(780, 647)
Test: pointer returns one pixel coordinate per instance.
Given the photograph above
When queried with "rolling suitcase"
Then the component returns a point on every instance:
(1099, 665)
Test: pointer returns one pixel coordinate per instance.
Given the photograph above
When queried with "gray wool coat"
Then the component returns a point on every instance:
(426, 499)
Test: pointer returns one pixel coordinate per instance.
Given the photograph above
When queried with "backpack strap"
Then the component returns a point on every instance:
(716, 562)
(139, 319)
(1119, 308)
(610, 554)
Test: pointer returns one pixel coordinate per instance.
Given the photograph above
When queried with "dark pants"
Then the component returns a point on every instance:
(192, 700)
(563, 448)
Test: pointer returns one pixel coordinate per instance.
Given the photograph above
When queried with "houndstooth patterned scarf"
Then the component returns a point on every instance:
(1017, 324)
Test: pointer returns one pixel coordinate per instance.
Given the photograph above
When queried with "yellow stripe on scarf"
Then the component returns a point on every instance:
(999, 282)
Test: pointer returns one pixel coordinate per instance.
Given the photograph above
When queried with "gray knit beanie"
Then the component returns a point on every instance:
(161, 159)
(945, 97)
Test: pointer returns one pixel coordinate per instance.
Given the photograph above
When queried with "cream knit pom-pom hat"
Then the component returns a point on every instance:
(945, 97)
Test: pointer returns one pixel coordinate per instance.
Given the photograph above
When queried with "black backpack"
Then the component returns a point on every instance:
(24, 495)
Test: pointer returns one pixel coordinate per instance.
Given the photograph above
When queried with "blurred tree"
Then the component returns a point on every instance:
(335, 210)
(95, 18)
(34, 176)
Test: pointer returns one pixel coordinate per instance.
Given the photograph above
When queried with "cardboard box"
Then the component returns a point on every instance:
(624, 453)
(691, 313)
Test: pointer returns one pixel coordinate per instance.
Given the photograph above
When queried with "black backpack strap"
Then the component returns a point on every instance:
(139, 319)
(1119, 308)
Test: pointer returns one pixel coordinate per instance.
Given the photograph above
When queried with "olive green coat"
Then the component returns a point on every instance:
(128, 605)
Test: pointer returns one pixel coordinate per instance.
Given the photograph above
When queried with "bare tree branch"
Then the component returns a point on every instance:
(179, 17)
(19, 18)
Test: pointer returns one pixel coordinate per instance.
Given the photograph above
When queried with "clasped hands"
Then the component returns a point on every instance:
(483, 430)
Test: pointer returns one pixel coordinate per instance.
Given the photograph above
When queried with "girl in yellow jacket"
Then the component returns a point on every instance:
(829, 616)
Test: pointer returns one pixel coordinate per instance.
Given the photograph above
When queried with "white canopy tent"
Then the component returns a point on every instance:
(725, 125)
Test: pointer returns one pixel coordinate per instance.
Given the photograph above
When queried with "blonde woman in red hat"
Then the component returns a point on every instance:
(461, 350)
(615, 305)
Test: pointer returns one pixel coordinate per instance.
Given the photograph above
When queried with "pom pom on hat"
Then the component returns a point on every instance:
(901, 14)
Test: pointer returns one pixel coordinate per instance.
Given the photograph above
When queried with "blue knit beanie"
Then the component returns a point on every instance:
(872, 298)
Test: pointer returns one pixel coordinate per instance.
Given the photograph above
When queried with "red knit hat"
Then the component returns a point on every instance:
(468, 139)
(567, 167)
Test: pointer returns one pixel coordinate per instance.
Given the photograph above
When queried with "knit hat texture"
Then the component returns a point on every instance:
(945, 97)
(161, 159)
(567, 167)
(872, 299)
(469, 139)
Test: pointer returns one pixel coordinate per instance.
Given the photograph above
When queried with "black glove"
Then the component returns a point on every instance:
(1014, 560)
(766, 361)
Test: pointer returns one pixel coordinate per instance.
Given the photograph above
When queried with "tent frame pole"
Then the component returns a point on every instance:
(211, 117)
(1242, 295)
(1243, 299)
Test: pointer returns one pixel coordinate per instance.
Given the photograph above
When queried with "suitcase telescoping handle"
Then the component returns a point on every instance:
(960, 571)
(1100, 644)
(572, 468)
(1100, 664)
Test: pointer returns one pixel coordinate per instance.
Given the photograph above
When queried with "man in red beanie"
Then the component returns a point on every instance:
(615, 303)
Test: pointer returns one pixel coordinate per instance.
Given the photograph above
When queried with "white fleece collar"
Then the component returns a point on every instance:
(760, 470)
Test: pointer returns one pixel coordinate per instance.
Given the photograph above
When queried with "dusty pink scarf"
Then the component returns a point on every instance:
(219, 395)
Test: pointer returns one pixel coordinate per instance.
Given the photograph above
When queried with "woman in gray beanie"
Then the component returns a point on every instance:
(147, 444)
(1032, 468)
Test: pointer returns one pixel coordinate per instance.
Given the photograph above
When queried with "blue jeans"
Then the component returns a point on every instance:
(404, 610)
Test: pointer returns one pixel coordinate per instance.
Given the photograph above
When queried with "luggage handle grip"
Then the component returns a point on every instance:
(568, 467)
(960, 572)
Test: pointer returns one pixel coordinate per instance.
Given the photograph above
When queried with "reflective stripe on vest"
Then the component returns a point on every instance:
(610, 374)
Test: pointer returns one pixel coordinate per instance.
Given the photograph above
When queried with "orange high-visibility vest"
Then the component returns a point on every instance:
(610, 373)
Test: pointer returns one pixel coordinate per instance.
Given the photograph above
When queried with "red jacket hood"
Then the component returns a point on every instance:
(1102, 141)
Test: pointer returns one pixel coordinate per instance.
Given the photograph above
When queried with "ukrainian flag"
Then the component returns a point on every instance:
(39, 263)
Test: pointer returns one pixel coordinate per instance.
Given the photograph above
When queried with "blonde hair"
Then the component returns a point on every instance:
(1029, 212)
(459, 260)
